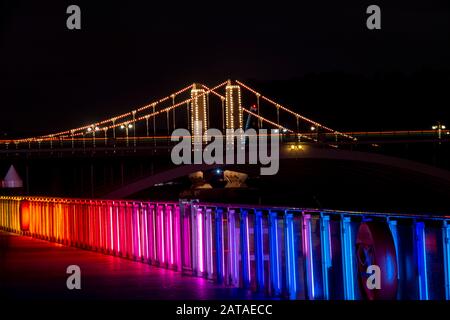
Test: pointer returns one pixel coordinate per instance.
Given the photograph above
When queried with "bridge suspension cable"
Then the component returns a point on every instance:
(319, 125)
(261, 118)
(167, 109)
(81, 130)
(277, 125)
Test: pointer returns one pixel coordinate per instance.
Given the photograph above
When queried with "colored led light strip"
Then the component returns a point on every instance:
(291, 257)
(259, 250)
(187, 254)
(325, 247)
(446, 248)
(347, 259)
(144, 232)
(177, 237)
(148, 233)
(421, 260)
(308, 253)
(117, 227)
(233, 249)
(171, 243)
(201, 266)
(162, 256)
(154, 228)
(275, 268)
(136, 232)
(220, 252)
(209, 254)
(194, 236)
(245, 249)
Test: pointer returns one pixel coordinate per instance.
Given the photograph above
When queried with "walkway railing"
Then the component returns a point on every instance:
(289, 252)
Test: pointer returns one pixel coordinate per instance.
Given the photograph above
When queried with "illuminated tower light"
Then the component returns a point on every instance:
(233, 109)
(199, 117)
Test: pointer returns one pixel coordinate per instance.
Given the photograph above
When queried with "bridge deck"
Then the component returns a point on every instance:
(35, 269)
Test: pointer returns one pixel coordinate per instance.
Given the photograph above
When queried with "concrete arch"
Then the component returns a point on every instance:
(161, 177)
(308, 152)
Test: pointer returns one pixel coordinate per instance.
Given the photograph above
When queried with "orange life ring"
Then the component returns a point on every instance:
(375, 246)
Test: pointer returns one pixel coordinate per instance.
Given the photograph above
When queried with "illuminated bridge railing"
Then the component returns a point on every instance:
(285, 252)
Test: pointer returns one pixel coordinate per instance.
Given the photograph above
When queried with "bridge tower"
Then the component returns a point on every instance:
(233, 107)
(199, 109)
(233, 115)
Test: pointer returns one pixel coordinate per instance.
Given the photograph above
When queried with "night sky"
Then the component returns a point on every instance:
(316, 56)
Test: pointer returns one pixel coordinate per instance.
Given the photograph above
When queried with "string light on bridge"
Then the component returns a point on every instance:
(123, 121)
(278, 106)
(279, 127)
(89, 128)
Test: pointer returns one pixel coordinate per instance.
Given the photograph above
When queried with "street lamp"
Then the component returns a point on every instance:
(93, 129)
(105, 129)
(439, 127)
(126, 127)
(315, 129)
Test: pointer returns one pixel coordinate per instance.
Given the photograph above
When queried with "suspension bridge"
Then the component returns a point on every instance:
(182, 109)
(154, 122)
